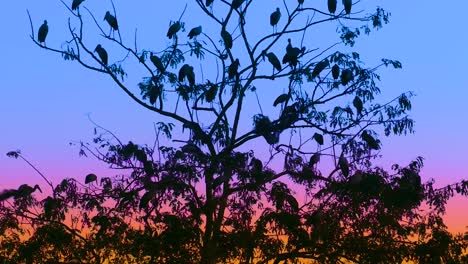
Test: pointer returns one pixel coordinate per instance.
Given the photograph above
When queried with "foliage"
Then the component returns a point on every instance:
(210, 196)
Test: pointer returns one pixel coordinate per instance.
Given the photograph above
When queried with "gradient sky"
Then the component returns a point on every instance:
(44, 101)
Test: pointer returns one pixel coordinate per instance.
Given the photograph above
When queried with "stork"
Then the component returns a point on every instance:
(42, 34)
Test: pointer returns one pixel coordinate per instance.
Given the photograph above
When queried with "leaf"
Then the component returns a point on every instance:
(13, 154)
(281, 99)
(319, 138)
(344, 166)
(90, 178)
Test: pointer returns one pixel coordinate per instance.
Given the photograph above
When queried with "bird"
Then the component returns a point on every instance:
(102, 54)
(232, 69)
(335, 71)
(186, 71)
(111, 20)
(370, 140)
(274, 61)
(227, 39)
(42, 34)
(173, 29)
(358, 104)
(76, 4)
(347, 5)
(332, 6)
(23, 191)
(292, 54)
(236, 3)
(300, 2)
(195, 32)
(209, 2)
(157, 62)
(275, 17)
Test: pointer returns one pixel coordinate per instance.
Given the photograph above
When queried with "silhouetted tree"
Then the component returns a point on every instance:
(287, 178)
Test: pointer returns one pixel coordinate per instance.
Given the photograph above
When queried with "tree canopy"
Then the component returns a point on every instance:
(263, 152)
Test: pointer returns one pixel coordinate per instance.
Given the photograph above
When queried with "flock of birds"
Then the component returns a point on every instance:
(187, 72)
(291, 57)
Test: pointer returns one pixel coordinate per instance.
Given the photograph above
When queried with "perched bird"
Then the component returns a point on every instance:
(292, 54)
(332, 6)
(275, 17)
(173, 29)
(209, 2)
(346, 76)
(357, 102)
(111, 20)
(343, 165)
(300, 2)
(227, 39)
(157, 62)
(42, 34)
(186, 71)
(335, 71)
(274, 61)
(347, 6)
(232, 69)
(370, 140)
(102, 53)
(76, 4)
(195, 32)
(23, 191)
(236, 3)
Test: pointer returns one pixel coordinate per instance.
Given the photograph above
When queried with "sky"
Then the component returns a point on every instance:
(45, 101)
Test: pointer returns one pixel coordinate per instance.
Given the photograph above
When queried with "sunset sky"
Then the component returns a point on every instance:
(45, 101)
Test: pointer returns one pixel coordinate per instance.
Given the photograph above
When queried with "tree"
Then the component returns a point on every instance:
(210, 196)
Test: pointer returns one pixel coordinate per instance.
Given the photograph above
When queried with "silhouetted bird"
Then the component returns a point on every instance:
(347, 6)
(332, 6)
(111, 20)
(237, 3)
(23, 191)
(195, 32)
(42, 34)
(232, 69)
(357, 102)
(173, 29)
(227, 39)
(186, 71)
(76, 4)
(102, 53)
(209, 2)
(292, 54)
(157, 62)
(335, 71)
(274, 61)
(275, 17)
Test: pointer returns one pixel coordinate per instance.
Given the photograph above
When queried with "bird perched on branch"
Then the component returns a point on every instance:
(102, 53)
(292, 54)
(194, 32)
(23, 191)
(111, 20)
(274, 18)
(273, 60)
(186, 71)
(232, 69)
(157, 62)
(42, 34)
(332, 6)
(76, 4)
(236, 3)
(347, 6)
(173, 29)
(227, 39)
